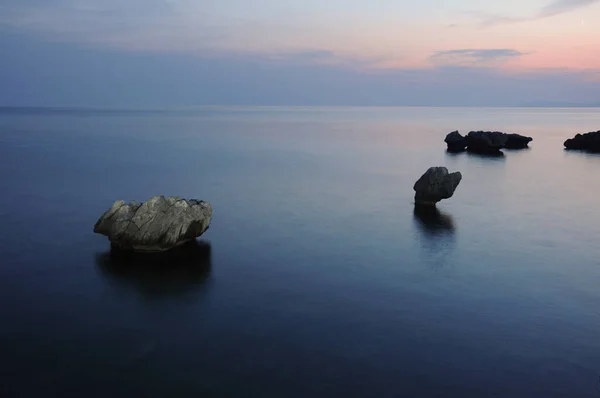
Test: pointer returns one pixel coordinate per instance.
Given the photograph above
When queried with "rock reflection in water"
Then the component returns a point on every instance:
(437, 235)
(159, 275)
(433, 222)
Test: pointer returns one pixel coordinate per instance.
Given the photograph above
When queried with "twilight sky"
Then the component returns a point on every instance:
(138, 53)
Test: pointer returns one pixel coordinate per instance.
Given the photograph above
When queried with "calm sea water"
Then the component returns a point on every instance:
(317, 278)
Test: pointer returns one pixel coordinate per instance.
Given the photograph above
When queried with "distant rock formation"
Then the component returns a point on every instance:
(157, 225)
(436, 184)
(456, 142)
(517, 141)
(587, 142)
(485, 142)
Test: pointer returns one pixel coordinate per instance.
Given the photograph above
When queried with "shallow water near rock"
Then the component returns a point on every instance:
(317, 277)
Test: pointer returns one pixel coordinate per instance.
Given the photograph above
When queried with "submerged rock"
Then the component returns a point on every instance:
(456, 142)
(157, 225)
(486, 142)
(436, 184)
(587, 142)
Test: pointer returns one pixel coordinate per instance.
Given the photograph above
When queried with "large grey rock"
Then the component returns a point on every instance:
(436, 184)
(156, 225)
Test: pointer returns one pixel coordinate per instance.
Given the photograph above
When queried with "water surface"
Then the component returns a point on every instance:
(317, 277)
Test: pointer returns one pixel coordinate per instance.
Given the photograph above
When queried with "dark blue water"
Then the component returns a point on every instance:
(316, 278)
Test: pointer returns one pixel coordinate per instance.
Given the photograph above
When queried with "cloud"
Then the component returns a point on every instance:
(62, 74)
(554, 8)
(299, 57)
(474, 57)
(563, 6)
(168, 25)
(313, 57)
(171, 27)
(200, 28)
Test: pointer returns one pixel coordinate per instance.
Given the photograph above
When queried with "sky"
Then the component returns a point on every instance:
(168, 53)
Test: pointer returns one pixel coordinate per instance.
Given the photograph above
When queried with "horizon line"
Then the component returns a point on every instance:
(59, 108)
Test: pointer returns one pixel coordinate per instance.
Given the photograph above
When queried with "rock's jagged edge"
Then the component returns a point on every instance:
(156, 225)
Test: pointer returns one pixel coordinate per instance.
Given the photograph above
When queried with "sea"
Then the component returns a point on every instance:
(317, 276)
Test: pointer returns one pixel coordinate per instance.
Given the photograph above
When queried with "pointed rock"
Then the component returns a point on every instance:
(436, 184)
